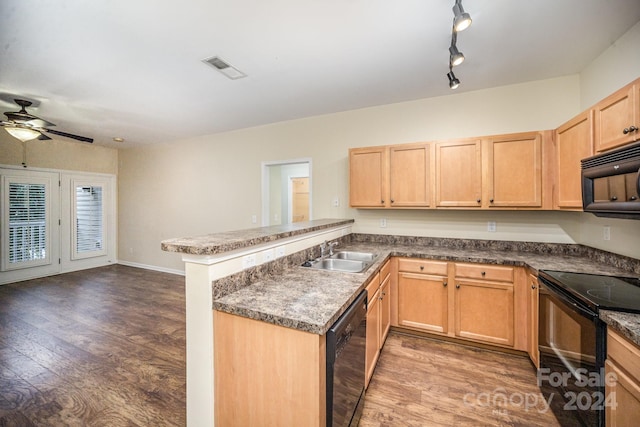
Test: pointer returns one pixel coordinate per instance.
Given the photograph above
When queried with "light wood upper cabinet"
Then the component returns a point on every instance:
(573, 142)
(368, 177)
(409, 171)
(617, 118)
(459, 173)
(514, 169)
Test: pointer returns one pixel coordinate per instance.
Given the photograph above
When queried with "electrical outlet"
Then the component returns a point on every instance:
(248, 261)
(336, 202)
(268, 255)
(606, 232)
(491, 226)
(254, 219)
(383, 223)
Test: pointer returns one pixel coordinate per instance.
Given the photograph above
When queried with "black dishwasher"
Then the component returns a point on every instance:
(346, 349)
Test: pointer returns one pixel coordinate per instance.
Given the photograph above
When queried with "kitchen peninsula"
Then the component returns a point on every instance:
(281, 293)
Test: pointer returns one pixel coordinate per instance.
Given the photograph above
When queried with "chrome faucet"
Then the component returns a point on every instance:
(331, 246)
(323, 248)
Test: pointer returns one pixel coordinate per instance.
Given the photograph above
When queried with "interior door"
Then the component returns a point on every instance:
(29, 224)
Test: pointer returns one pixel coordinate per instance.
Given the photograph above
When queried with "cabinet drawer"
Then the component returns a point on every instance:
(372, 287)
(624, 353)
(385, 270)
(485, 272)
(412, 265)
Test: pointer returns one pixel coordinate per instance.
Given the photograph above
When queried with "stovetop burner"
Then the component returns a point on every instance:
(599, 291)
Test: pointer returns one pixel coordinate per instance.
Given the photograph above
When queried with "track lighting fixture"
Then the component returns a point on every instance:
(453, 80)
(461, 20)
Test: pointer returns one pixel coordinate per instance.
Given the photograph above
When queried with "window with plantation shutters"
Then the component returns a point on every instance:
(27, 222)
(88, 221)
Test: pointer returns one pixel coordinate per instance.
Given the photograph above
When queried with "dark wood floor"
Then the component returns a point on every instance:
(101, 347)
(106, 347)
(422, 382)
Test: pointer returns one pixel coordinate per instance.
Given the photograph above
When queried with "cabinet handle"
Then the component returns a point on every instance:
(614, 198)
(393, 201)
(421, 267)
(444, 283)
(629, 129)
(382, 202)
(478, 200)
(490, 200)
(533, 286)
(458, 286)
(483, 273)
(632, 198)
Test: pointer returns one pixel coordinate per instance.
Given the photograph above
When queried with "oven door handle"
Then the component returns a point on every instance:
(576, 307)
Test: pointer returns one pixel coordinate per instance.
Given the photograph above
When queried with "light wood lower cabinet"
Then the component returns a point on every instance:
(533, 306)
(378, 318)
(622, 370)
(267, 375)
(481, 303)
(423, 295)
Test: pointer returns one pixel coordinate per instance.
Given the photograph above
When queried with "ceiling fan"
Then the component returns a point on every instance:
(25, 126)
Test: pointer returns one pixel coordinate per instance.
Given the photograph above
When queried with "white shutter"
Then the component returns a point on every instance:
(27, 222)
(88, 221)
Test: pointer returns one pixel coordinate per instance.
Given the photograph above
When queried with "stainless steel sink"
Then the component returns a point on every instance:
(345, 265)
(355, 256)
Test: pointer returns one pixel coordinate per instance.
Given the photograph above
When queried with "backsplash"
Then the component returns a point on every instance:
(597, 255)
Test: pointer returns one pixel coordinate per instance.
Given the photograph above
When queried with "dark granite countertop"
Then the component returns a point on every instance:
(627, 324)
(312, 300)
(216, 243)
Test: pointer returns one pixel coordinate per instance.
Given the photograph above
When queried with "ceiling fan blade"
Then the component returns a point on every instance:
(43, 137)
(39, 123)
(68, 135)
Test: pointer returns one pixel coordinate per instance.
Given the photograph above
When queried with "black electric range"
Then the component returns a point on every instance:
(598, 292)
(572, 340)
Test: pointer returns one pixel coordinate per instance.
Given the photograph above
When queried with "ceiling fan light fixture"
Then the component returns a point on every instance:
(453, 80)
(22, 133)
(456, 56)
(461, 20)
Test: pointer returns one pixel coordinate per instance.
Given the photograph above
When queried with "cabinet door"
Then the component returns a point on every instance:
(622, 404)
(484, 311)
(373, 336)
(385, 310)
(459, 174)
(409, 175)
(534, 353)
(368, 177)
(422, 302)
(574, 142)
(514, 166)
(614, 114)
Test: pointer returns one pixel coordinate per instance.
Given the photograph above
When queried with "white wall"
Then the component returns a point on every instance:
(212, 183)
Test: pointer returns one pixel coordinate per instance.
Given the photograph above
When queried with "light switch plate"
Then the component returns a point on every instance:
(491, 226)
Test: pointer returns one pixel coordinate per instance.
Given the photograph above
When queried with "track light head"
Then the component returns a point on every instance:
(453, 81)
(456, 57)
(461, 20)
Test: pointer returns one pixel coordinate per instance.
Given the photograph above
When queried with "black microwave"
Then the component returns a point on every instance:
(611, 183)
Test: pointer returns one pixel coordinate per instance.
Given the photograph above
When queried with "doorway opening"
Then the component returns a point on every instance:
(286, 191)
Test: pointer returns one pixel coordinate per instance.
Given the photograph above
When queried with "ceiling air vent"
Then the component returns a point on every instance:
(224, 67)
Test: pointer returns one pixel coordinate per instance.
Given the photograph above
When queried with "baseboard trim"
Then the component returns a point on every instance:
(151, 267)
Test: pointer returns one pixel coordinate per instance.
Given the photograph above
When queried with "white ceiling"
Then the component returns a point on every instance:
(107, 68)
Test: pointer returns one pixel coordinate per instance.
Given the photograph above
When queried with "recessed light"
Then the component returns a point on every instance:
(118, 139)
